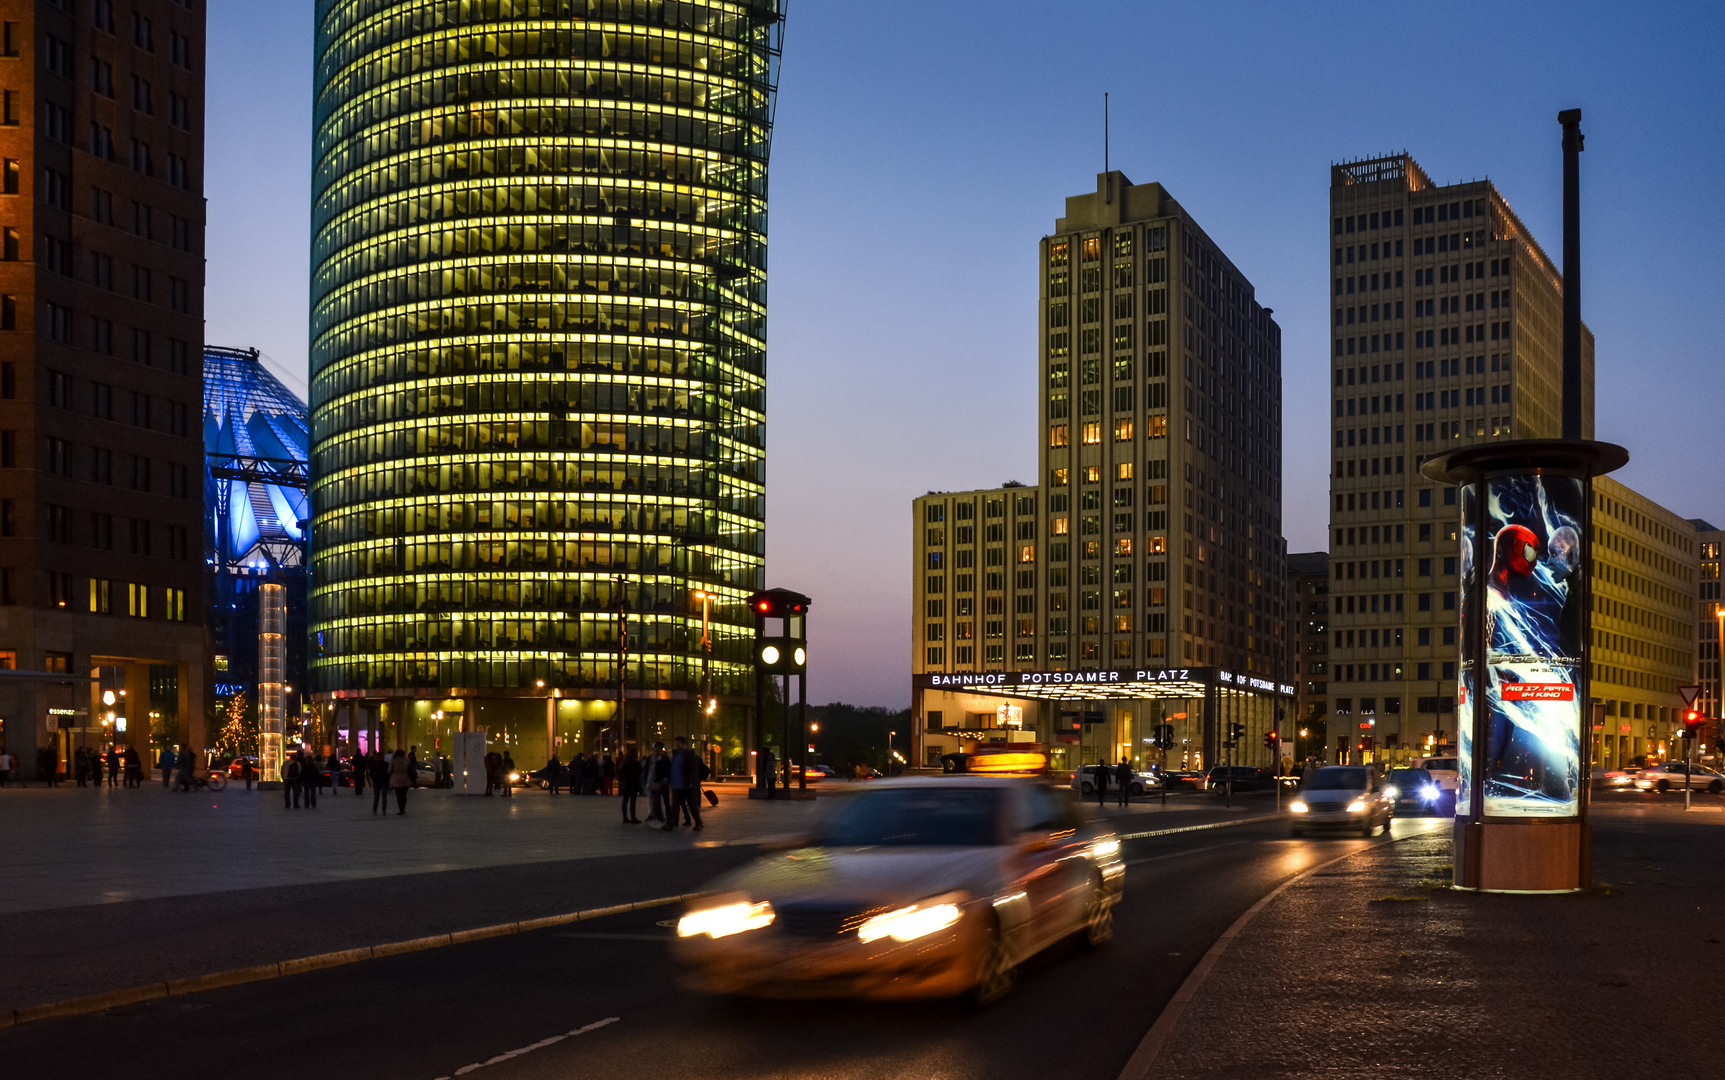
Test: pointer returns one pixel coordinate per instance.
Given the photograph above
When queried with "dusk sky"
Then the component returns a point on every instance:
(922, 150)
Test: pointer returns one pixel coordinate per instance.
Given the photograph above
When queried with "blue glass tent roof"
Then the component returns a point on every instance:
(249, 413)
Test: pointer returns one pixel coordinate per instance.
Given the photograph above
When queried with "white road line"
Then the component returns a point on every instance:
(540, 1045)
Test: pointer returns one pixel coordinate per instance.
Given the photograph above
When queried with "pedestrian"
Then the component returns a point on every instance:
(1100, 774)
(134, 768)
(48, 765)
(629, 779)
(5, 767)
(400, 778)
(574, 771)
(357, 766)
(248, 771)
(685, 786)
(658, 772)
(166, 761)
(113, 766)
(493, 761)
(290, 780)
(607, 774)
(508, 772)
(768, 774)
(379, 782)
(553, 769)
(1123, 777)
(310, 778)
(188, 766)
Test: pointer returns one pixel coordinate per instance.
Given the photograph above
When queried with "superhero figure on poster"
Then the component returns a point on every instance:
(1533, 633)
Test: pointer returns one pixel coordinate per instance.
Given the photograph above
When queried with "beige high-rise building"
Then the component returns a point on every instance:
(1161, 449)
(1150, 558)
(1447, 331)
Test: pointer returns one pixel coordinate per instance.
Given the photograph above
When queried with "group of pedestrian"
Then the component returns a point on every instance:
(1121, 774)
(122, 766)
(500, 774)
(673, 784)
(587, 774)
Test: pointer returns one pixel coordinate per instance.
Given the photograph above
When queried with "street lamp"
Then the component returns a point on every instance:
(889, 737)
(707, 704)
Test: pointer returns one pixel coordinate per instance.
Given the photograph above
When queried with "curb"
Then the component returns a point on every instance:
(1143, 1059)
(113, 999)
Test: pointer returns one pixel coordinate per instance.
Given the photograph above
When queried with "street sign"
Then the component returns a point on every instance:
(1690, 693)
(53, 723)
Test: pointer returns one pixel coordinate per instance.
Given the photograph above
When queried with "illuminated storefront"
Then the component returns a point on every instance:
(1086, 717)
(538, 341)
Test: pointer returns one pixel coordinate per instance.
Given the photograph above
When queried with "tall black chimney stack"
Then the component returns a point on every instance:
(1572, 140)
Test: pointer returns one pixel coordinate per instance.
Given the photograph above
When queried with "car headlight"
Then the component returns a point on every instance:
(910, 923)
(1358, 806)
(1105, 849)
(514, 778)
(1432, 791)
(1392, 792)
(1298, 807)
(726, 920)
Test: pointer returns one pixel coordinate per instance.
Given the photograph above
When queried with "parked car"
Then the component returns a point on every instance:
(1679, 774)
(1084, 781)
(913, 889)
(1244, 777)
(1414, 792)
(1341, 797)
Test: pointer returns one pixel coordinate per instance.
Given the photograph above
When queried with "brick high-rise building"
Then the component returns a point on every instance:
(101, 379)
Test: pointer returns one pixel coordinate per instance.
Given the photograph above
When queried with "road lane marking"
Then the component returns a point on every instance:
(1199, 828)
(540, 1045)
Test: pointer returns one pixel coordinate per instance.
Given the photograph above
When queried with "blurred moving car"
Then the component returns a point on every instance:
(1413, 792)
(1188, 779)
(1245, 778)
(1667, 775)
(1084, 781)
(1620, 779)
(1341, 797)
(914, 888)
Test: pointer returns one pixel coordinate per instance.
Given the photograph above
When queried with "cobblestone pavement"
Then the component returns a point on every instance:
(1375, 968)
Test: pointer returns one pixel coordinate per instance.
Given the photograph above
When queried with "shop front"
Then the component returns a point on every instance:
(1176, 719)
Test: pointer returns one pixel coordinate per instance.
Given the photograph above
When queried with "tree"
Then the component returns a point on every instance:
(239, 734)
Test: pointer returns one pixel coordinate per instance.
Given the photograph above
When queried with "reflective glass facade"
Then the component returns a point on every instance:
(538, 337)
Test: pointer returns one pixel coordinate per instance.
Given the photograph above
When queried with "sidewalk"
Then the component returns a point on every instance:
(1373, 968)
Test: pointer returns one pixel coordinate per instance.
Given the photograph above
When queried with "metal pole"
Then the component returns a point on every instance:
(803, 725)
(1572, 145)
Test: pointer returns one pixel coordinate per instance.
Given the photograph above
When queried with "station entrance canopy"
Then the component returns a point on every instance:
(1106, 685)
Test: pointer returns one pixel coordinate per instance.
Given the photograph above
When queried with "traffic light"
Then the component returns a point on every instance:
(1271, 739)
(780, 604)
(778, 654)
(1691, 723)
(1236, 731)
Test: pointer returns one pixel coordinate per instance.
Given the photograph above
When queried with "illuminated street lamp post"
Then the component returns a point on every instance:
(707, 704)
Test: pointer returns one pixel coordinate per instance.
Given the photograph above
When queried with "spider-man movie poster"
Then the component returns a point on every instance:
(1531, 698)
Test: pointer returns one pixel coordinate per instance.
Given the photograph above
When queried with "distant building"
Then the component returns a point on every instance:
(1645, 598)
(101, 324)
(1446, 332)
(256, 432)
(1309, 644)
(1150, 556)
(1710, 542)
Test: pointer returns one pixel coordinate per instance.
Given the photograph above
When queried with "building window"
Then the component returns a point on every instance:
(1092, 433)
(137, 600)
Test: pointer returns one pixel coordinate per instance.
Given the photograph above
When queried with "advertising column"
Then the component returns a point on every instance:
(1523, 674)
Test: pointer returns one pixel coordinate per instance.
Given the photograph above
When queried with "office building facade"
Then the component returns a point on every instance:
(1153, 541)
(1645, 592)
(101, 329)
(1447, 332)
(538, 343)
(1710, 631)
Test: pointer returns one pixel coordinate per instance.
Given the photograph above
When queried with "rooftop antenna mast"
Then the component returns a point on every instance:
(1105, 131)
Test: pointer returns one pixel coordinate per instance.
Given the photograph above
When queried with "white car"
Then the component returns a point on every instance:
(1084, 781)
(1446, 771)
(1676, 774)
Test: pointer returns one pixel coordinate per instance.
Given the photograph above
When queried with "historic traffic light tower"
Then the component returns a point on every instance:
(780, 656)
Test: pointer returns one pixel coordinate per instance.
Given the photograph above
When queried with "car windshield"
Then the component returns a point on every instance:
(1339, 778)
(1407, 778)
(918, 817)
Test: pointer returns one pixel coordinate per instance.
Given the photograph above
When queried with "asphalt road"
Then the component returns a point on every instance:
(597, 1000)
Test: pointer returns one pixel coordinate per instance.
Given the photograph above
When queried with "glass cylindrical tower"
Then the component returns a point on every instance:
(538, 316)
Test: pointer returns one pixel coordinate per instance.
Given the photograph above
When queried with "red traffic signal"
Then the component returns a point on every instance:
(1692, 719)
(1271, 739)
